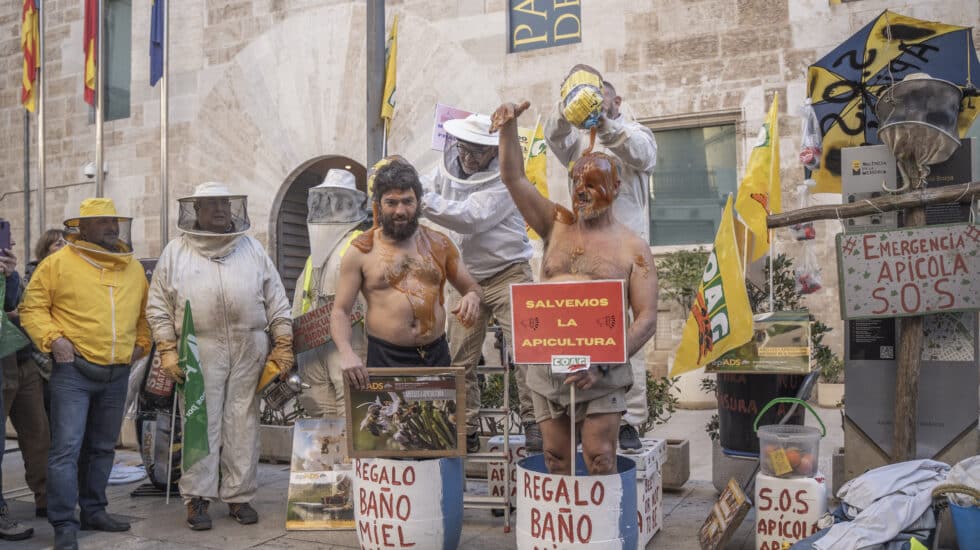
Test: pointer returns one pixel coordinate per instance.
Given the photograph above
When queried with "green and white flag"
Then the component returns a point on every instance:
(195, 445)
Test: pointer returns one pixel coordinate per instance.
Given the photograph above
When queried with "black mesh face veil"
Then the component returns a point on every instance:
(213, 214)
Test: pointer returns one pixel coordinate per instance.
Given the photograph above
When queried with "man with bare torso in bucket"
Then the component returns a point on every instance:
(587, 244)
(401, 269)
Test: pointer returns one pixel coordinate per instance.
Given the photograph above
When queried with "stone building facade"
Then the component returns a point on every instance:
(267, 94)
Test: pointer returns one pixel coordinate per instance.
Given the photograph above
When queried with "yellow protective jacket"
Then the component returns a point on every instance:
(95, 298)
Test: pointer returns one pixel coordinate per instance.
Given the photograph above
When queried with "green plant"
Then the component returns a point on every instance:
(492, 397)
(833, 371)
(661, 401)
(680, 273)
(713, 427)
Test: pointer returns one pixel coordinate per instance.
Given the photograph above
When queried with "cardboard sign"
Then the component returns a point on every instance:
(444, 113)
(909, 271)
(780, 344)
(725, 517)
(407, 412)
(572, 318)
(312, 329)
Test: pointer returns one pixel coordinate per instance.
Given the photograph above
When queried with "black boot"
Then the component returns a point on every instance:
(532, 437)
(243, 513)
(104, 522)
(65, 539)
(197, 514)
(629, 438)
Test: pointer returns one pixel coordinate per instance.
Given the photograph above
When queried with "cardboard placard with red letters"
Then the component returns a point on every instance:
(569, 318)
(312, 329)
(910, 271)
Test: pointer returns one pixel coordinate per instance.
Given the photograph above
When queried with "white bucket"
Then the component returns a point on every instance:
(576, 513)
(411, 504)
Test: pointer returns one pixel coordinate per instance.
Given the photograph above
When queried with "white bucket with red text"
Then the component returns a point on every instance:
(576, 513)
(787, 509)
(408, 503)
(496, 482)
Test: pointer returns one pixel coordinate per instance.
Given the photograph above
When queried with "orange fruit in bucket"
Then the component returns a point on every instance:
(793, 456)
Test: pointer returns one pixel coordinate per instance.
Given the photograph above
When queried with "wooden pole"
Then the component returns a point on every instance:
(962, 193)
(375, 47)
(907, 377)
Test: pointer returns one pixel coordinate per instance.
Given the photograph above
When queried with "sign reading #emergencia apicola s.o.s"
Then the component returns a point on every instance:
(569, 318)
(911, 271)
(533, 24)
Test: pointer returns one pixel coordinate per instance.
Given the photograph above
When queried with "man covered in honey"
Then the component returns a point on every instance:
(401, 269)
(581, 245)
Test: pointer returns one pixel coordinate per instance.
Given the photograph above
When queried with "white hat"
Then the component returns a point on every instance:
(338, 178)
(472, 129)
(211, 189)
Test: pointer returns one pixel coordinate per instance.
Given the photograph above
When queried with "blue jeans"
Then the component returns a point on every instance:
(85, 420)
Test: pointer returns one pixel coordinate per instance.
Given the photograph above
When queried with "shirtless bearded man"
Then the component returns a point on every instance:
(401, 269)
(587, 244)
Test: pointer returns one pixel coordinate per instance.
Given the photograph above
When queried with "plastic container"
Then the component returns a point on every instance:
(788, 451)
(966, 523)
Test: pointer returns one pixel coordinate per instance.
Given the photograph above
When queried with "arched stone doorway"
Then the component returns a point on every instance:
(292, 241)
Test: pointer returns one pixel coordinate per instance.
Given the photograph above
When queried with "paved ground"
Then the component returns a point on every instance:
(158, 526)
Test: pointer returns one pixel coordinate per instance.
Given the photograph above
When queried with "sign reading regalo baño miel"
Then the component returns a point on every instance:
(911, 271)
(569, 318)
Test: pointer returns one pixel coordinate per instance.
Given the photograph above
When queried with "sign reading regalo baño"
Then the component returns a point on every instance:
(533, 24)
(580, 318)
(910, 271)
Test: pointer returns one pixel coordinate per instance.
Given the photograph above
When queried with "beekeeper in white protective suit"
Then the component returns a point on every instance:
(241, 319)
(634, 146)
(468, 198)
(337, 215)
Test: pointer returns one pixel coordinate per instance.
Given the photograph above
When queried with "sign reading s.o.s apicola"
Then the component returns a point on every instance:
(569, 318)
(911, 271)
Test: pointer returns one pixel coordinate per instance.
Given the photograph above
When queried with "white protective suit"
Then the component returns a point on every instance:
(335, 210)
(238, 304)
(635, 147)
(494, 245)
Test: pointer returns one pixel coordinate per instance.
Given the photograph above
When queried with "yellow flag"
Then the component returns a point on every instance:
(721, 318)
(535, 152)
(759, 195)
(391, 55)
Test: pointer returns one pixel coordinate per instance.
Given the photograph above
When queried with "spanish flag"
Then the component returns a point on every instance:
(28, 42)
(760, 195)
(391, 55)
(721, 317)
(89, 36)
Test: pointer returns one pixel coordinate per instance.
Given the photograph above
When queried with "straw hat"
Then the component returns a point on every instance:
(95, 208)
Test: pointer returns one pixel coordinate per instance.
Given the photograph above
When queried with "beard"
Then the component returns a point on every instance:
(400, 232)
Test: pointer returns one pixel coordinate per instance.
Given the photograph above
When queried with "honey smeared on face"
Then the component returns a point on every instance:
(596, 182)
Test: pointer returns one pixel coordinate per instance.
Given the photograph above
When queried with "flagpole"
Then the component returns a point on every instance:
(374, 80)
(99, 104)
(571, 413)
(27, 185)
(164, 124)
(170, 458)
(41, 184)
(772, 291)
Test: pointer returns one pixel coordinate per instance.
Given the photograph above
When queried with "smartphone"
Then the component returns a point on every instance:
(4, 235)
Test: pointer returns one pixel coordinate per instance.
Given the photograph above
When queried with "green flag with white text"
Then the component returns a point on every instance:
(195, 408)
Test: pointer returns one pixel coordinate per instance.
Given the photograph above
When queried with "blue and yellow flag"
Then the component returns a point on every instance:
(721, 317)
(760, 194)
(157, 17)
(391, 56)
(196, 444)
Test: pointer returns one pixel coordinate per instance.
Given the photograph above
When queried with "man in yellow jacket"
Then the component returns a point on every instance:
(85, 304)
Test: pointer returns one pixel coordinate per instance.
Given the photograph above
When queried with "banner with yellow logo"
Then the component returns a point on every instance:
(721, 317)
(535, 152)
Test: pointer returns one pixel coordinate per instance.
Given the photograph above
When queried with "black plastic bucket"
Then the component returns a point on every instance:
(742, 396)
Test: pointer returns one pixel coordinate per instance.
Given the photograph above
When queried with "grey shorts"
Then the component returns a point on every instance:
(544, 409)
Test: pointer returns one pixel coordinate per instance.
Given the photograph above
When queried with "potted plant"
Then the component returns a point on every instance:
(830, 387)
